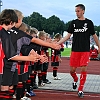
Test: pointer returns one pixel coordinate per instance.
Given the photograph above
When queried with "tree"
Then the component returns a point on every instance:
(35, 20)
(51, 25)
(54, 25)
(97, 29)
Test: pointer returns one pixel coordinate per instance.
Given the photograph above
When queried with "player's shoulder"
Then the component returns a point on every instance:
(88, 20)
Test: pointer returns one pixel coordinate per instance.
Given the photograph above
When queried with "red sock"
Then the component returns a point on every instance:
(74, 76)
(82, 80)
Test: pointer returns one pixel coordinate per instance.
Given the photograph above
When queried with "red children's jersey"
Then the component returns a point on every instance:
(54, 56)
(22, 67)
(1, 59)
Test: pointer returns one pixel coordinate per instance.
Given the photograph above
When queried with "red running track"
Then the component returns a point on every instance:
(93, 67)
(62, 95)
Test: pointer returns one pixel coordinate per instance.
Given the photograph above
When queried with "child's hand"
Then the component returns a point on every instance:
(33, 58)
(43, 58)
(33, 55)
(33, 52)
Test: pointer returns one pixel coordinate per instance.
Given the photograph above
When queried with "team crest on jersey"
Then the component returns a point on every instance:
(84, 29)
(74, 25)
(13, 31)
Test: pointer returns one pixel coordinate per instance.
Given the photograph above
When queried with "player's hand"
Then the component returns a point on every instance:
(55, 45)
(49, 40)
(99, 50)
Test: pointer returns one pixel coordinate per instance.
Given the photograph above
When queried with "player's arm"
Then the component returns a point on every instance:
(47, 44)
(65, 38)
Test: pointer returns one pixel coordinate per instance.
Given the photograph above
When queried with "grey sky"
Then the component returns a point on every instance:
(64, 9)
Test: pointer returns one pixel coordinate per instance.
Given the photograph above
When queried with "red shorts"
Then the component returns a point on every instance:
(78, 59)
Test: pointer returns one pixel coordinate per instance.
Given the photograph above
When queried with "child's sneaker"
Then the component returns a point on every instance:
(30, 94)
(35, 86)
(14, 96)
(80, 94)
(41, 84)
(47, 81)
(57, 78)
(25, 98)
(74, 85)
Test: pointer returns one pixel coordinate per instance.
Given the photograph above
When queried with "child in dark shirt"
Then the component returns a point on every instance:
(8, 18)
(56, 57)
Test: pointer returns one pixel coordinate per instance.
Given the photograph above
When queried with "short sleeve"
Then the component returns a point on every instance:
(7, 45)
(70, 28)
(92, 31)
